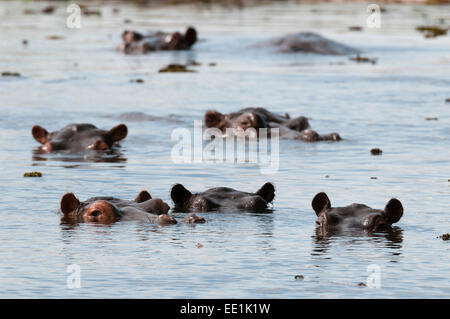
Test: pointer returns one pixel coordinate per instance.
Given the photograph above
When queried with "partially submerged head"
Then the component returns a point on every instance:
(355, 216)
(79, 138)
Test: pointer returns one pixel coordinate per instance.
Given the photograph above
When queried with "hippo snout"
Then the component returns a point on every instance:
(194, 219)
(165, 219)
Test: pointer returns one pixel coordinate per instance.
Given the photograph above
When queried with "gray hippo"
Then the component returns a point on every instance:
(307, 42)
(222, 199)
(355, 216)
(297, 128)
(134, 42)
(106, 210)
(79, 138)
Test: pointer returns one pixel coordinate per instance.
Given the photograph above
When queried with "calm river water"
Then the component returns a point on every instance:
(81, 78)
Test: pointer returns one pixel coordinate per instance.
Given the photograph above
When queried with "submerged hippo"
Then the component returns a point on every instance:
(355, 216)
(222, 198)
(107, 210)
(308, 42)
(256, 118)
(79, 138)
(134, 42)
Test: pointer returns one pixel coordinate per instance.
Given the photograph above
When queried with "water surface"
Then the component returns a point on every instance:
(81, 78)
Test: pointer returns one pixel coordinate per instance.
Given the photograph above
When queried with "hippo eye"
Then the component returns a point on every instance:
(95, 213)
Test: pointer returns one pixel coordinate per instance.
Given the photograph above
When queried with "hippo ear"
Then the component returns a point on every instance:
(213, 118)
(69, 203)
(190, 36)
(267, 192)
(143, 196)
(117, 133)
(393, 210)
(180, 194)
(40, 134)
(320, 203)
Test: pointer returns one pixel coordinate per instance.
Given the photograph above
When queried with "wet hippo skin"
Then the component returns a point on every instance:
(257, 117)
(307, 42)
(222, 199)
(134, 42)
(106, 210)
(355, 216)
(79, 138)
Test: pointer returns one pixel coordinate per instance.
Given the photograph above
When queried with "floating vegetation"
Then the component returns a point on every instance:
(432, 31)
(431, 119)
(49, 9)
(86, 11)
(54, 37)
(193, 63)
(360, 59)
(376, 151)
(6, 73)
(32, 174)
(445, 236)
(355, 28)
(175, 68)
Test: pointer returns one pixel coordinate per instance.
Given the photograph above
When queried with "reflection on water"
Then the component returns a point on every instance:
(324, 239)
(110, 156)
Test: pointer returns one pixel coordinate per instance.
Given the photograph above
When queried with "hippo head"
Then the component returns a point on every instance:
(79, 138)
(239, 124)
(106, 210)
(309, 135)
(178, 41)
(355, 216)
(222, 198)
(217, 120)
(131, 36)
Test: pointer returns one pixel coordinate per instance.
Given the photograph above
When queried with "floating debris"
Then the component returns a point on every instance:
(327, 176)
(355, 28)
(431, 118)
(137, 81)
(376, 151)
(299, 277)
(175, 68)
(431, 31)
(361, 284)
(360, 59)
(45, 10)
(54, 37)
(193, 63)
(199, 245)
(445, 236)
(25, 42)
(49, 9)
(32, 174)
(127, 21)
(90, 12)
(212, 64)
(10, 73)
(374, 177)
